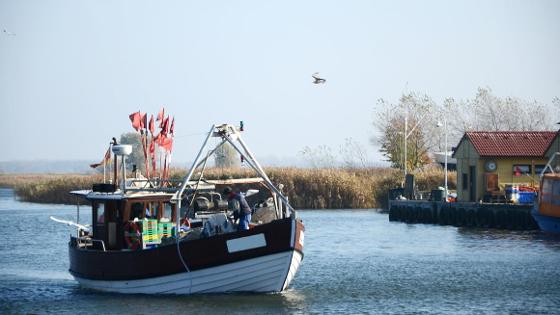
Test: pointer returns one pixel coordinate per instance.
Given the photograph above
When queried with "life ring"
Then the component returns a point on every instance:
(132, 239)
(186, 222)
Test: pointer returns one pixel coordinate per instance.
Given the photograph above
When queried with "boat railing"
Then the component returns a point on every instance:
(86, 241)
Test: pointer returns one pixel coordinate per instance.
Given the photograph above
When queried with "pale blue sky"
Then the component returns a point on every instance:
(74, 70)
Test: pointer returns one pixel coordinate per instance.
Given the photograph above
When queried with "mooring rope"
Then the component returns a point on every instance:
(178, 232)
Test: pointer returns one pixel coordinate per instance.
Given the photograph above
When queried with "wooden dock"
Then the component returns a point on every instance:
(468, 214)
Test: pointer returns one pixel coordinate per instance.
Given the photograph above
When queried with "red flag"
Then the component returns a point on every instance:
(143, 121)
(172, 126)
(151, 125)
(167, 144)
(152, 149)
(135, 119)
(163, 141)
(153, 155)
(144, 139)
(159, 138)
(106, 159)
(160, 116)
(165, 126)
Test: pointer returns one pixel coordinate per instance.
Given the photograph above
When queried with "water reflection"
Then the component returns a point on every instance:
(518, 238)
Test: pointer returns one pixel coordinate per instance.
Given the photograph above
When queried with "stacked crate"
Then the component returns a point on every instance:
(166, 229)
(150, 235)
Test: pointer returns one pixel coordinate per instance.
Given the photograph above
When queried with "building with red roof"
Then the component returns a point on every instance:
(487, 161)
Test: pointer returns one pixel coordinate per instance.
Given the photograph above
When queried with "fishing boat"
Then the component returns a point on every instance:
(547, 210)
(153, 235)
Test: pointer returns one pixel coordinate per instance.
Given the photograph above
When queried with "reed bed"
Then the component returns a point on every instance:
(48, 188)
(306, 188)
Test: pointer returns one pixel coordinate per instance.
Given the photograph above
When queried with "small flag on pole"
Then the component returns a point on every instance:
(160, 116)
(151, 125)
(135, 119)
(106, 159)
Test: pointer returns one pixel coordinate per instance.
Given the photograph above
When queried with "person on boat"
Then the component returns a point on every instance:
(244, 213)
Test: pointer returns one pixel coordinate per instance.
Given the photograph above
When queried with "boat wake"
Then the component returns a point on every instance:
(36, 274)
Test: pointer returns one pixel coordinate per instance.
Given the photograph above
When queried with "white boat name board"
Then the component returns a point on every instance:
(245, 243)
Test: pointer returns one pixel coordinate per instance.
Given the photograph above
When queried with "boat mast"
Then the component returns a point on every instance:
(230, 133)
(178, 195)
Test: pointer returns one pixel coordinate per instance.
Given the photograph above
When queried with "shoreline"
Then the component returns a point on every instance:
(327, 188)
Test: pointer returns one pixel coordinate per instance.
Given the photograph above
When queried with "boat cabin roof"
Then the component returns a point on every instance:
(118, 195)
(135, 191)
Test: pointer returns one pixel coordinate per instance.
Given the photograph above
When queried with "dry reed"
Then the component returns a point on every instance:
(305, 188)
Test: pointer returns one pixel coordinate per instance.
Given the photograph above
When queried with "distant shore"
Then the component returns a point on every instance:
(328, 188)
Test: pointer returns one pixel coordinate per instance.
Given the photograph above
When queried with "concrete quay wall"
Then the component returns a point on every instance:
(463, 214)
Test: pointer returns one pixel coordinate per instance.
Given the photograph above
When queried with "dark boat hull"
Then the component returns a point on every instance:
(263, 259)
(547, 223)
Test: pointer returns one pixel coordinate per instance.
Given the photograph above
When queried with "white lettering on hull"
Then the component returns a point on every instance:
(245, 243)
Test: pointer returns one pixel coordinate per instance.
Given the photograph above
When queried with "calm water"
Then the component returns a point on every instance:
(355, 262)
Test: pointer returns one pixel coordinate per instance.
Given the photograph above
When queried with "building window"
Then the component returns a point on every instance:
(521, 170)
(540, 168)
(465, 181)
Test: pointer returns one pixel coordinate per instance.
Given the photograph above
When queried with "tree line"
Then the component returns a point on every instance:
(427, 120)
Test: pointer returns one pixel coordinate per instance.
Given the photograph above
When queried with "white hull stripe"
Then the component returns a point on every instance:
(245, 243)
(271, 273)
(294, 265)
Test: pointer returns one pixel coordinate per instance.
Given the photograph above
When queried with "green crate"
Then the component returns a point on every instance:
(165, 229)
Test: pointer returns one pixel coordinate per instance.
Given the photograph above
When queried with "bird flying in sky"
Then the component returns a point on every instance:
(318, 80)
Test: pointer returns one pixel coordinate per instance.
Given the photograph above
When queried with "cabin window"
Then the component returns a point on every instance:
(465, 181)
(152, 210)
(167, 211)
(521, 170)
(136, 210)
(540, 168)
(100, 213)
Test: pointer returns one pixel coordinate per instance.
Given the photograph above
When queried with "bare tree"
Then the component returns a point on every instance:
(226, 156)
(137, 155)
(353, 154)
(488, 112)
(319, 157)
(418, 110)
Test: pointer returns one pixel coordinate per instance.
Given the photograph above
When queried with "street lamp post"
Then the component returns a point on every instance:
(408, 133)
(405, 140)
(445, 152)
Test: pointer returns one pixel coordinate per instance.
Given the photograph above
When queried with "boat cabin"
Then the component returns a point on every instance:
(549, 199)
(147, 218)
(111, 214)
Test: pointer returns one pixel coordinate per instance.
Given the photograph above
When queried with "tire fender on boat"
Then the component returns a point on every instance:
(186, 222)
(132, 239)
